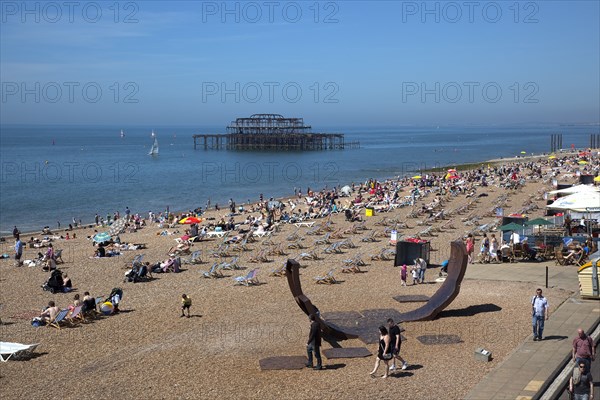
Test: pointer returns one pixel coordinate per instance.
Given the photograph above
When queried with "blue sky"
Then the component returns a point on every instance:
(336, 63)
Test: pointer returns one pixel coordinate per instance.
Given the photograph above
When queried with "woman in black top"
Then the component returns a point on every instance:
(384, 352)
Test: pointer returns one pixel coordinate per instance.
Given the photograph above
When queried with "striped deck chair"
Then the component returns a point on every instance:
(75, 315)
(214, 272)
(60, 317)
(249, 279)
(328, 279)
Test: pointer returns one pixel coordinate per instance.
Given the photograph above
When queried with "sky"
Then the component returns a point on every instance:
(335, 63)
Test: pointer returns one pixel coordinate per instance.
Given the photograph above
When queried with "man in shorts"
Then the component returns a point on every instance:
(396, 343)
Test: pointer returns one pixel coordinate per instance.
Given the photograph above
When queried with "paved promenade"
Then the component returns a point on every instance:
(533, 366)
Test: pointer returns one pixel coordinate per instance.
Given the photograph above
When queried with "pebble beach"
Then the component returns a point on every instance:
(148, 352)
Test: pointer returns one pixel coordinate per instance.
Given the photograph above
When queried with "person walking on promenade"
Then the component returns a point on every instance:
(470, 244)
(314, 343)
(396, 344)
(583, 349)
(539, 312)
(581, 383)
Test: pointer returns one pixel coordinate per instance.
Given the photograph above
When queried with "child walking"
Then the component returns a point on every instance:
(415, 274)
(403, 274)
(186, 303)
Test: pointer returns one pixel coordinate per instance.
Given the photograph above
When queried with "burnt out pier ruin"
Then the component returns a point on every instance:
(271, 132)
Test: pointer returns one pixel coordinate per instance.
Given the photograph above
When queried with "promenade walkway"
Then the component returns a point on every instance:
(533, 366)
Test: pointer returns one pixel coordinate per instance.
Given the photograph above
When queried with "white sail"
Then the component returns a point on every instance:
(122, 133)
(154, 149)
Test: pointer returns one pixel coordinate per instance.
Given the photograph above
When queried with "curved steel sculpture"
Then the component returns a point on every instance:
(293, 276)
(457, 266)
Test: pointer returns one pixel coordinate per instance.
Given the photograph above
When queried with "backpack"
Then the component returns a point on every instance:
(576, 375)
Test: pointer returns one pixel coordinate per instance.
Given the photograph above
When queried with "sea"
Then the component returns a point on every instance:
(57, 174)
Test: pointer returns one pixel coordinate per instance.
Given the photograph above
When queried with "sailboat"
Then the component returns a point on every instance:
(154, 149)
(122, 133)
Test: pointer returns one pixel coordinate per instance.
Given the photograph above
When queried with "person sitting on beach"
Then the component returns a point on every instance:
(76, 302)
(575, 253)
(67, 284)
(50, 312)
(89, 303)
(100, 251)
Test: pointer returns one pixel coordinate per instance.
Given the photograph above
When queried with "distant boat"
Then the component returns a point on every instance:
(154, 149)
(175, 136)
(122, 133)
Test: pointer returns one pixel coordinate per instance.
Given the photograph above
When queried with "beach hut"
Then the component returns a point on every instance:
(589, 286)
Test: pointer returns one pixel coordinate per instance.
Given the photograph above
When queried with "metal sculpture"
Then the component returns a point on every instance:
(457, 266)
(293, 276)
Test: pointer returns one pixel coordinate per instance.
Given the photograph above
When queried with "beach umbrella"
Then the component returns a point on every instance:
(523, 152)
(580, 202)
(538, 221)
(102, 237)
(117, 227)
(511, 227)
(416, 177)
(551, 157)
(346, 190)
(576, 189)
(190, 220)
(582, 162)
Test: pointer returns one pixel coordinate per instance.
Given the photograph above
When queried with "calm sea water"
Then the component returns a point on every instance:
(58, 173)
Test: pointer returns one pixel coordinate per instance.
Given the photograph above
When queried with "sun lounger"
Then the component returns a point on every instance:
(249, 279)
(16, 350)
(309, 224)
(218, 234)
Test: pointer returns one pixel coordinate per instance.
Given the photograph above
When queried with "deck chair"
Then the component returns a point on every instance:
(350, 268)
(324, 239)
(581, 260)
(16, 350)
(311, 255)
(333, 248)
(356, 260)
(372, 237)
(74, 315)
(347, 244)
(249, 279)
(279, 271)
(214, 272)
(328, 279)
(58, 257)
(195, 258)
(233, 264)
(60, 317)
(296, 245)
